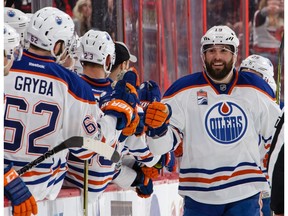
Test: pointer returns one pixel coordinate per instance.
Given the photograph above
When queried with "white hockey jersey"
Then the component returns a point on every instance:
(221, 127)
(46, 104)
(102, 171)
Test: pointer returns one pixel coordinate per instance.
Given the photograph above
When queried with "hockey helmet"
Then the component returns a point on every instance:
(18, 20)
(220, 35)
(49, 25)
(261, 65)
(96, 47)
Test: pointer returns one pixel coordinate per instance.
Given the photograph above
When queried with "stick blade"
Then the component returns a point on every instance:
(102, 149)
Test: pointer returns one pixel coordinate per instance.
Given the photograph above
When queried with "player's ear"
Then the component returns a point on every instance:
(58, 48)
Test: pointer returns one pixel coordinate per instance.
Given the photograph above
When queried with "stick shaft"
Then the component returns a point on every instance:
(85, 189)
(279, 71)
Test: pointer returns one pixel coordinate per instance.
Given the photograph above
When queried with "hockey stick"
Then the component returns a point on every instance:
(278, 83)
(85, 189)
(76, 142)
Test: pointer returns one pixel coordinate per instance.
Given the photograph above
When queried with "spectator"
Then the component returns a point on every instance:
(110, 19)
(63, 5)
(82, 16)
(268, 28)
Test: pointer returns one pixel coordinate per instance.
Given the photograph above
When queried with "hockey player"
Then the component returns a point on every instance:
(219, 114)
(22, 201)
(19, 21)
(47, 104)
(97, 47)
(148, 92)
(262, 67)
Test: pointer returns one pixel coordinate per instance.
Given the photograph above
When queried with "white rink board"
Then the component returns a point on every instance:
(164, 201)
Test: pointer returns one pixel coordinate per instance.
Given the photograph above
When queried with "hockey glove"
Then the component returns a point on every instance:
(132, 77)
(18, 193)
(157, 117)
(130, 129)
(168, 161)
(149, 91)
(122, 104)
(126, 92)
(143, 185)
(150, 172)
(140, 128)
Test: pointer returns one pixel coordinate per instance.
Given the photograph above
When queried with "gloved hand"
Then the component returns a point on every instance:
(132, 77)
(130, 129)
(157, 117)
(123, 101)
(168, 161)
(141, 125)
(148, 92)
(17, 192)
(150, 172)
(143, 185)
(126, 92)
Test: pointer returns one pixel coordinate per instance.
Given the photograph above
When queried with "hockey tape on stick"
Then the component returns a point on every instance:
(76, 142)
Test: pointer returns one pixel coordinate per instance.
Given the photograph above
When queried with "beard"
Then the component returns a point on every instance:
(219, 74)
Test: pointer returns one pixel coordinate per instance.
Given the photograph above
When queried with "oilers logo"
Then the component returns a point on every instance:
(226, 122)
(11, 13)
(58, 20)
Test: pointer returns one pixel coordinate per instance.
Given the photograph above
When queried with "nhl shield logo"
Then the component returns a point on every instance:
(226, 122)
(223, 87)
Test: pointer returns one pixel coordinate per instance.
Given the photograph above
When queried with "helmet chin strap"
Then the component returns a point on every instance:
(8, 66)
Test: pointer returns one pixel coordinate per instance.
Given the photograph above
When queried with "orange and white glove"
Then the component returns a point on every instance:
(17, 192)
(157, 117)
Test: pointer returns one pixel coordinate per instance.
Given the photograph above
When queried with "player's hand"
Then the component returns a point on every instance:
(148, 92)
(132, 77)
(143, 185)
(150, 172)
(122, 104)
(157, 117)
(17, 192)
(168, 161)
(157, 114)
(126, 92)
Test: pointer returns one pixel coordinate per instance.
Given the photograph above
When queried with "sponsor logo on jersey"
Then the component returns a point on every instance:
(202, 98)
(226, 122)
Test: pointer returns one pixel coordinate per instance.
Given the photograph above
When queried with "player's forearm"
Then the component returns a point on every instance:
(108, 129)
(163, 144)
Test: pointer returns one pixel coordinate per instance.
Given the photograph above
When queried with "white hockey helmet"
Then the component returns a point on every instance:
(220, 35)
(261, 65)
(11, 42)
(49, 25)
(96, 47)
(12, 47)
(18, 20)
